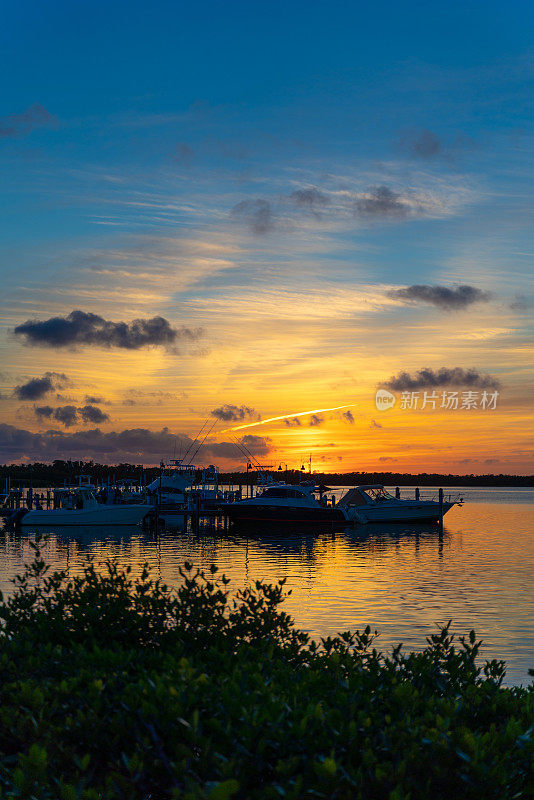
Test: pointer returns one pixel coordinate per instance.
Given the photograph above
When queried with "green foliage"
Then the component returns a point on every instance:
(121, 688)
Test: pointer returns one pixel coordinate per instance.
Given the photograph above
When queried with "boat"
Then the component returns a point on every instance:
(373, 503)
(169, 490)
(78, 505)
(284, 502)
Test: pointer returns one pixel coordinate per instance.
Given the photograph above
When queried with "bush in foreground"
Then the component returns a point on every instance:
(120, 688)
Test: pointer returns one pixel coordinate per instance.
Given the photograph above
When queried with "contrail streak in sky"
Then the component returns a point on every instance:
(288, 416)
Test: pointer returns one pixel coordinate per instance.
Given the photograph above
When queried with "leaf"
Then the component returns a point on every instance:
(224, 790)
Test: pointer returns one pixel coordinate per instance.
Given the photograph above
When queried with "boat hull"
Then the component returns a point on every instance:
(103, 515)
(416, 512)
(260, 513)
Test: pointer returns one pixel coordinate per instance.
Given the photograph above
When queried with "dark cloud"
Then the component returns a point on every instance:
(387, 458)
(44, 411)
(518, 303)
(315, 420)
(183, 154)
(311, 198)
(293, 422)
(230, 413)
(93, 414)
(36, 388)
(92, 399)
(422, 143)
(36, 116)
(66, 415)
(381, 201)
(375, 424)
(137, 445)
(441, 296)
(348, 416)
(429, 379)
(82, 328)
(258, 214)
(425, 144)
(70, 415)
(256, 445)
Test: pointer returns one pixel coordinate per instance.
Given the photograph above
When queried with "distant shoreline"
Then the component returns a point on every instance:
(61, 472)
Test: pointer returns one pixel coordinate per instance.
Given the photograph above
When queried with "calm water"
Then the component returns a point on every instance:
(400, 579)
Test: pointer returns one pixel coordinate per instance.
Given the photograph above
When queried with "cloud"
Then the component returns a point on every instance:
(387, 458)
(66, 415)
(429, 379)
(422, 143)
(44, 411)
(82, 328)
(441, 296)
(255, 445)
(70, 415)
(311, 199)
(137, 445)
(36, 116)
(294, 422)
(348, 416)
(36, 388)
(137, 397)
(425, 144)
(518, 303)
(183, 154)
(381, 201)
(257, 214)
(93, 414)
(230, 413)
(315, 420)
(375, 424)
(91, 399)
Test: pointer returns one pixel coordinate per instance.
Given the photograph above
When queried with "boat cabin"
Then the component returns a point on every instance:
(369, 494)
(75, 497)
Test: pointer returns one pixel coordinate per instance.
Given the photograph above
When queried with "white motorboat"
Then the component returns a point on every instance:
(283, 502)
(372, 503)
(175, 480)
(79, 506)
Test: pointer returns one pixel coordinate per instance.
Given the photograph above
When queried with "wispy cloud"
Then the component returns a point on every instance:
(35, 116)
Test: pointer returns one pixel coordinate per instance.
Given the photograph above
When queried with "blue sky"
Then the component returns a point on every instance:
(239, 167)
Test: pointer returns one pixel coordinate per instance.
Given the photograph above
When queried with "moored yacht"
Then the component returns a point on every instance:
(283, 502)
(372, 503)
(79, 506)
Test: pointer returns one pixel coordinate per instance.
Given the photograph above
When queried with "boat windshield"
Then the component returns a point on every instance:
(377, 493)
(281, 491)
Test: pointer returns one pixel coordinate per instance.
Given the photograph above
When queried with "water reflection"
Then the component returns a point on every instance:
(400, 578)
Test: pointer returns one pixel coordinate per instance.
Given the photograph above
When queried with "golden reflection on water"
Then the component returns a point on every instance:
(400, 579)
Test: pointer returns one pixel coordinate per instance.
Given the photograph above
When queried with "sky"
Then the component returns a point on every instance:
(220, 214)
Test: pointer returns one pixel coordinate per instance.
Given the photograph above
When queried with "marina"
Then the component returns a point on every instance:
(402, 579)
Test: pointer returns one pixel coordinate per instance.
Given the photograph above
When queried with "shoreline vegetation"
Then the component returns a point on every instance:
(114, 686)
(60, 472)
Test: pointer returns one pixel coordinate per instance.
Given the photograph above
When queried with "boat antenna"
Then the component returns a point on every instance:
(195, 439)
(248, 453)
(204, 439)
